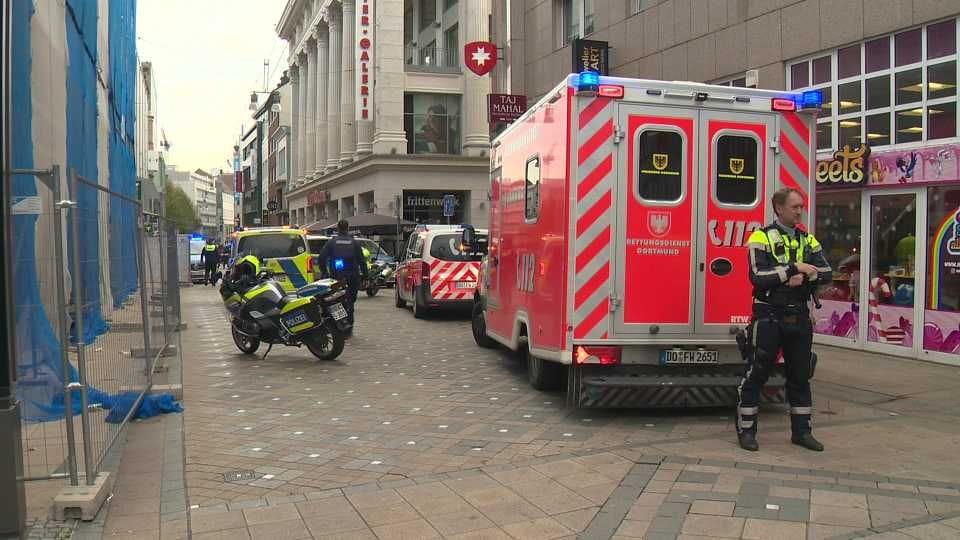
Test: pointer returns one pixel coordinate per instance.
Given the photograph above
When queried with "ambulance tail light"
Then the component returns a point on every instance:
(779, 104)
(596, 355)
(610, 91)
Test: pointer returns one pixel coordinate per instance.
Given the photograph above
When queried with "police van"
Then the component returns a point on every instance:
(282, 250)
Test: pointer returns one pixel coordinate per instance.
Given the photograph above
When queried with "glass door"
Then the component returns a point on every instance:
(941, 313)
(837, 228)
(891, 288)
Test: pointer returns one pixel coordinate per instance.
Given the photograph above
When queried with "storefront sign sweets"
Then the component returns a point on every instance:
(848, 167)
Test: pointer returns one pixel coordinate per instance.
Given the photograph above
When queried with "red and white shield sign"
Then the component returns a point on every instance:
(480, 56)
(658, 223)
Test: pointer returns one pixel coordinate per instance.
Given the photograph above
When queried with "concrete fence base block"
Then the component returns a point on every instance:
(82, 502)
(175, 389)
(167, 352)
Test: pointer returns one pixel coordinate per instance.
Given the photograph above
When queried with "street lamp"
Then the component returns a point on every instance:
(275, 107)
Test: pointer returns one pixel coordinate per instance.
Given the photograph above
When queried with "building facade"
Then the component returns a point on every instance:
(278, 156)
(887, 202)
(385, 120)
(146, 145)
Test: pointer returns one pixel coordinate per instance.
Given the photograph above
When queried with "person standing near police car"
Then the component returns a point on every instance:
(785, 262)
(210, 257)
(342, 258)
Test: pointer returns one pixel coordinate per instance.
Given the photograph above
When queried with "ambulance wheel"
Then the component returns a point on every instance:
(419, 311)
(479, 324)
(400, 303)
(543, 374)
(246, 344)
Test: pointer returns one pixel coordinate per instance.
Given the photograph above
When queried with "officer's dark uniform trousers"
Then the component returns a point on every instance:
(781, 321)
(345, 249)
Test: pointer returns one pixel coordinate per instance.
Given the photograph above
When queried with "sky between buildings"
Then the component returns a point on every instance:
(208, 56)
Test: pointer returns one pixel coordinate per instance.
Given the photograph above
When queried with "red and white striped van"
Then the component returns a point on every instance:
(436, 270)
(620, 211)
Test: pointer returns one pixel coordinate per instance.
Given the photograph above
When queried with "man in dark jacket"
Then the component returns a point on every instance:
(210, 258)
(342, 258)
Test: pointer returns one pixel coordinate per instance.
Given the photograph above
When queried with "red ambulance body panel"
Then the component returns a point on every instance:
(617, 241)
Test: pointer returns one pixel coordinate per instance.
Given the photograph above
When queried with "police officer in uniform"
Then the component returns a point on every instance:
(211, 257)
(342, 258)
(785, 262)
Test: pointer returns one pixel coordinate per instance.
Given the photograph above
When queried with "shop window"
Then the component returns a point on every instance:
(893, 241)
(531, 204)
(827, 108)
(906, 47)
(838, 230)
(849, 97)
(737, 170)
(942, 313)
(848, 62)
(942, 80)
(942, 120)
(824, 135)
(941, 39)
(821, 70)
(908, 86)
(799, 75)
(877, 54)
(432, 123)
(849, 133)
(878, 129)
(660, 164)
(909, 125)
(878, 92)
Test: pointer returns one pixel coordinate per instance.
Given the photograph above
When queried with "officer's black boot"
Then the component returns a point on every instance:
(807, 441)
(746, 420)
(748, 441)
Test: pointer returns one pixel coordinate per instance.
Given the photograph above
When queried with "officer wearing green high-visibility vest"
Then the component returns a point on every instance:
(211, 257)
(784, 262)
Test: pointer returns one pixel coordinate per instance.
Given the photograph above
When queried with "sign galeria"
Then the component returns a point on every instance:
(364, 58)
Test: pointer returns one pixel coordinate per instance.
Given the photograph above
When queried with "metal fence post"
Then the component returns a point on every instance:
(61, 206)
(88, 461)
(144, 311)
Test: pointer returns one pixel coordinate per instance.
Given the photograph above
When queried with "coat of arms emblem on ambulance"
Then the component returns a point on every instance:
(660, 161)
(658, 223)
(736, 165)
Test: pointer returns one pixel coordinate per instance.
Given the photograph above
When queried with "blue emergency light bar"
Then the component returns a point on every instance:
(810, 99)
(588, 81)
(196, 236)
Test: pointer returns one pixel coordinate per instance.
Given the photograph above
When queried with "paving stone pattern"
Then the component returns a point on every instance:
(417, 433)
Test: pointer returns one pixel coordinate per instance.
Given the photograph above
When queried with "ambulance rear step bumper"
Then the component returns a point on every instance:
(663, 391)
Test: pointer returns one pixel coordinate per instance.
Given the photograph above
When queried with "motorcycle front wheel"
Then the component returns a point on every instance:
(326, 343)
(246, 344)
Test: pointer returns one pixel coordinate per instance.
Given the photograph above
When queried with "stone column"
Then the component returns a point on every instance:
(473, 109)
(310, 113)
(323, 74)
(388, 135)
(302, 171)
(333, 93)
(348, 88)
(294, 124)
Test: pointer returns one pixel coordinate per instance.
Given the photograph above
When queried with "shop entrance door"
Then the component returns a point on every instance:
(892, 288)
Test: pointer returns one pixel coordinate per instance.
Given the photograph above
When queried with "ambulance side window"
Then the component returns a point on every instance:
(660, 165)
(736, 169)
(532, 189)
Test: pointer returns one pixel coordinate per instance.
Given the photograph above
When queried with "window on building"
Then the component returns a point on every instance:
(739, 82)
(432, 123)
(428, 13)
(737, 169)
(451, 46)
(447, 4)
(531, 205)
(639, 5)
(895, 89)
(282, 162)
(659, 165)
(576, 19)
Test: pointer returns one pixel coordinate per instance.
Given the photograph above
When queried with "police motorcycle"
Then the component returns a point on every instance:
(260, 311)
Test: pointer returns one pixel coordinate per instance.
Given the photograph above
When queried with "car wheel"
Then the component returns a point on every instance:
(479, 327)
(419, 311)
(400, 303)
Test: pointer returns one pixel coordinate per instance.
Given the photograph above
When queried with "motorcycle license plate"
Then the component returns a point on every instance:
(298, 317)
(466, 284)
(338, 312)
(682, 356)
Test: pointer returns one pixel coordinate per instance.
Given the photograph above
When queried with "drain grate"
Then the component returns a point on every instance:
(239, 476)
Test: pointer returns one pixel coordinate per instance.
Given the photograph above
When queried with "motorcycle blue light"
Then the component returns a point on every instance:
(338, 264)
(811, 99)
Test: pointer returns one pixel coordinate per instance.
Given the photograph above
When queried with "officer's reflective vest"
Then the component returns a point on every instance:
(785, 250)
(210, 248)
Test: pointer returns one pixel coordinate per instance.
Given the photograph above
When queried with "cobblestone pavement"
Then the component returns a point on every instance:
(417, 433)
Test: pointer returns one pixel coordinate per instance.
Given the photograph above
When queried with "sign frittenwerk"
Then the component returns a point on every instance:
(505, 107)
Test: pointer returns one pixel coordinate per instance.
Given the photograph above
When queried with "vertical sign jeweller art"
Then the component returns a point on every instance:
(364, 72)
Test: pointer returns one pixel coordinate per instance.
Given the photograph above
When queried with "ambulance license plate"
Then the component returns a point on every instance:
(298, 317)
(338, 312)
(683, 356)
(466, 284)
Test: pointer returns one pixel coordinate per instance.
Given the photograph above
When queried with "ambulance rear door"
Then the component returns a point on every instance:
(736, 181)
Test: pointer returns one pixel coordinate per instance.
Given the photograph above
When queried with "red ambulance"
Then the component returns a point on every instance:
(620, 211)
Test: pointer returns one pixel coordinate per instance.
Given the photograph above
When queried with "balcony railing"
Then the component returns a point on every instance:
(432, 59)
